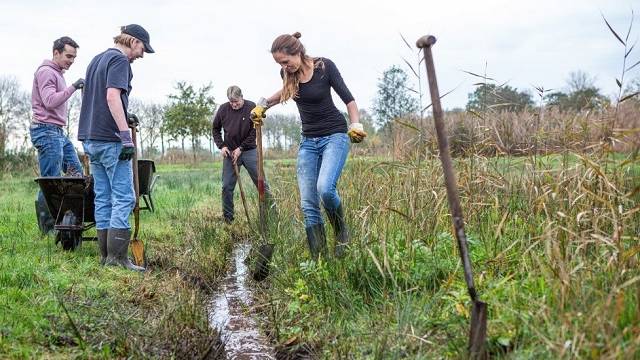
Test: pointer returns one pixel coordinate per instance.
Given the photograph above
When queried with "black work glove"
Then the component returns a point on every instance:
(128, 150)
(79, 84)
(127, 153)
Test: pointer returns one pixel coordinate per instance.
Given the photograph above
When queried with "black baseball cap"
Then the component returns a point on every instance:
(139, 33)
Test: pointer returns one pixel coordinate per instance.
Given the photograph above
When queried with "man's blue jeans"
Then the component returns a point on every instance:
(56, 154)
(112, 184)
(320, 163)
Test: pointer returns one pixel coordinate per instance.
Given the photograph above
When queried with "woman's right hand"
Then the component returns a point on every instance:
(258, 114)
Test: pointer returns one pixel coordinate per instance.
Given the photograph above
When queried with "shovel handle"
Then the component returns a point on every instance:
(244, 201)
(261, 188)
(425, 43)
(134, 166)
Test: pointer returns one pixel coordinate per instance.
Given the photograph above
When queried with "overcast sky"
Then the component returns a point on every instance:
(523, 42)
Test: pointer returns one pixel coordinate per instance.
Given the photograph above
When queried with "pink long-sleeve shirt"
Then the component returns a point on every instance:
(50, 94)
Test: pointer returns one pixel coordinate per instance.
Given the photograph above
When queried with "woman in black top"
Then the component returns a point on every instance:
(325, 135)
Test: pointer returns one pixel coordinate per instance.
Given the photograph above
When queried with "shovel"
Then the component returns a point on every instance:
(478, 332)
(265, 251)
(137, 247)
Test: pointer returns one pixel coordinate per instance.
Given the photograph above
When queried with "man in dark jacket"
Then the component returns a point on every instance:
(238, 146)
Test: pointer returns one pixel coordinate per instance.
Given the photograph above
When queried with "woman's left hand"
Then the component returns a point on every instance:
(356, 132)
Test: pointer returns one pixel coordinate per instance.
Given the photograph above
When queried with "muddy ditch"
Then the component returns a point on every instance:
(231, 312)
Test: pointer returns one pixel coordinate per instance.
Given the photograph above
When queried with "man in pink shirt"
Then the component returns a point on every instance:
(49, 96)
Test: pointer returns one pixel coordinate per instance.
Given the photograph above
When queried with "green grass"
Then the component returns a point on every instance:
(554, 249)
(64, 304)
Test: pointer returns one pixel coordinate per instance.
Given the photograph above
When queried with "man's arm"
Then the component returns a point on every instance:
(114, 102)
(216, 130)
(51, 98)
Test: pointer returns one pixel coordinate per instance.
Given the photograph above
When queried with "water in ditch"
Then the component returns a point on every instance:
(230, 313)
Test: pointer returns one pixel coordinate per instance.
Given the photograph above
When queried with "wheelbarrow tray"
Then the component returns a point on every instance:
(69, 193)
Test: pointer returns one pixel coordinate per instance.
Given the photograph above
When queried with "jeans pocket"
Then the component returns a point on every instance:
(41, 138)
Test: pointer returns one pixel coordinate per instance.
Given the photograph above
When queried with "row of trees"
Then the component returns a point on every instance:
(396, 98)
(184, 119)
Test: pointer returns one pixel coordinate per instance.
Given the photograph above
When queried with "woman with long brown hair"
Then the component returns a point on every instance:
(325, 135)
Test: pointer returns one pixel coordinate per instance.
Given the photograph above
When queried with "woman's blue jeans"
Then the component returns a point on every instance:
(112, 184)
(320, 163)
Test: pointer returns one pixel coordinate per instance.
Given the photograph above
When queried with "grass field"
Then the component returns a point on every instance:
(58, 304)
(554, 243)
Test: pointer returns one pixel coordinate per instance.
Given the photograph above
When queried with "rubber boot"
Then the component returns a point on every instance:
(45, 220)
(118, 249)
(340, 230)
(317, 241)
(102, 245)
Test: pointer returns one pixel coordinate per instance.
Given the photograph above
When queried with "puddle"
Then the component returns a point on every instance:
(230, 313)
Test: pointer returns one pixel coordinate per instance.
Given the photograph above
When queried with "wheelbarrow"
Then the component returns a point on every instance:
(70, 202)
(146, 182)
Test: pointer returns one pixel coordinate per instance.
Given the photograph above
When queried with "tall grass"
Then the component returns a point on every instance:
(556, 253)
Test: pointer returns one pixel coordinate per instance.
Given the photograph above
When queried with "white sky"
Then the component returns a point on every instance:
(227, 42)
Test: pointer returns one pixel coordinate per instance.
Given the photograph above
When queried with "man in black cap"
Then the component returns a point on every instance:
(105, 136)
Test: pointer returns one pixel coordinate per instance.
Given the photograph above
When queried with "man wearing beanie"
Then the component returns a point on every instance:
(106, 138)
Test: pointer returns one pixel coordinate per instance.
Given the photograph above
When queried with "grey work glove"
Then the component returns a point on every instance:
(79, 84)
(127, 146)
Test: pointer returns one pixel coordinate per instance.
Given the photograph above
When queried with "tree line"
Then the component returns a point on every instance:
(182, 122)
(397, 99)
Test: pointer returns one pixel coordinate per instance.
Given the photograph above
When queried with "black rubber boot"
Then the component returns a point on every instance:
(118, 249)
(102, 245)
(45, 220)
(317, 241)
(340, 230)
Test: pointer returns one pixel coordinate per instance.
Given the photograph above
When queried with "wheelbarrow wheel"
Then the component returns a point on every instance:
(70, 239)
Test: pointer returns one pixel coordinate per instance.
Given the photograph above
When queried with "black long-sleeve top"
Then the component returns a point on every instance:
(237, 125)
(318, 113)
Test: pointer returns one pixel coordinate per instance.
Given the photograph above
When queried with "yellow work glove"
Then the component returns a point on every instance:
(356, 132)
(259, 112)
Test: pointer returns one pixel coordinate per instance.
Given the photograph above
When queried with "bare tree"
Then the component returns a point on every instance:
(151, 117)
(73, 114)
(14, 109)
(152, 124)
